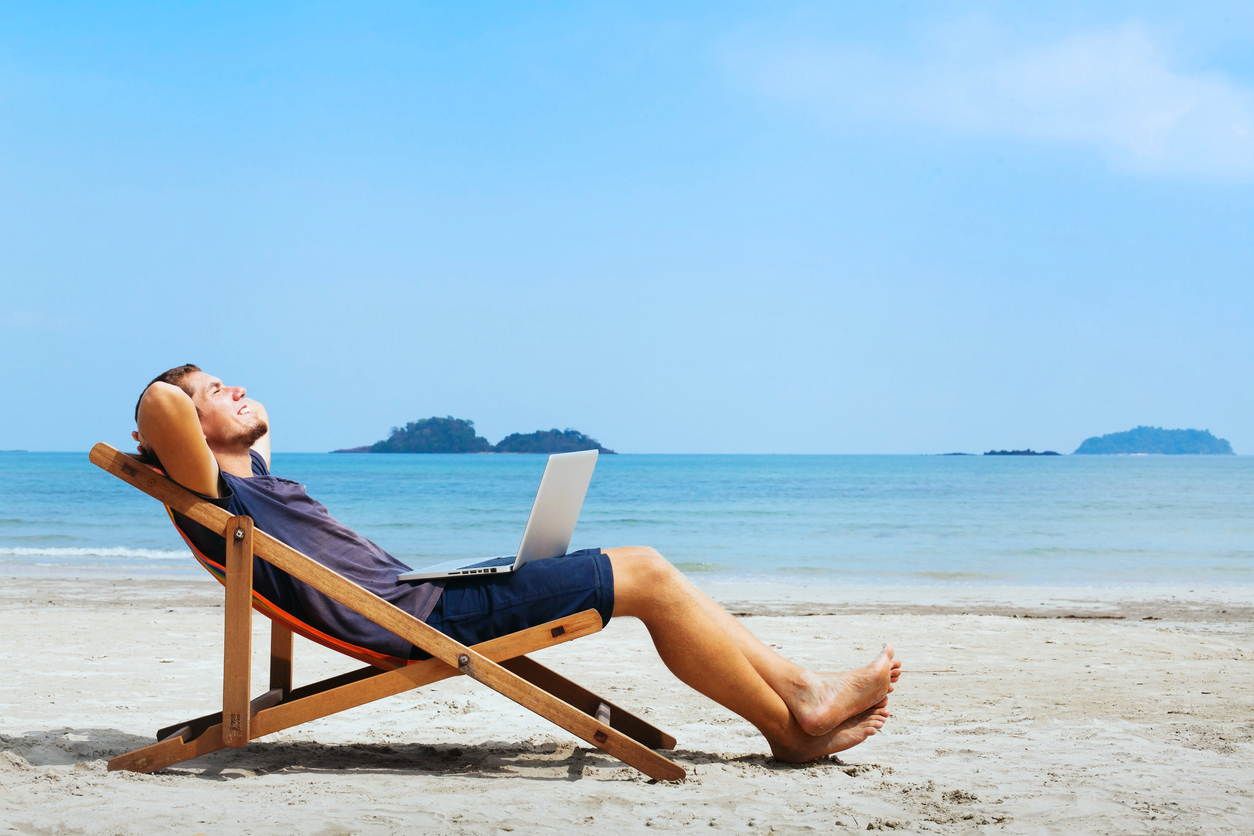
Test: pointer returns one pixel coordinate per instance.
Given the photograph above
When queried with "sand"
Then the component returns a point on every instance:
(1021, 711)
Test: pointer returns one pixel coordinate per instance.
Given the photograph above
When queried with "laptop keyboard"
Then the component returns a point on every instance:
(492, 561)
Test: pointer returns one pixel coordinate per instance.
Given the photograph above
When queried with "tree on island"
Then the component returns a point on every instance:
(430, 435)
(548, 441)
(1156, 440)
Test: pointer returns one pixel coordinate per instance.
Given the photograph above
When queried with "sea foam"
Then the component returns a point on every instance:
(88, 551)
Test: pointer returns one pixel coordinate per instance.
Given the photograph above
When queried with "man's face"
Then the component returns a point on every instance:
(227, 417)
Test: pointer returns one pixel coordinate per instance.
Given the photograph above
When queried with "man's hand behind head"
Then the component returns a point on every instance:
(169, 427)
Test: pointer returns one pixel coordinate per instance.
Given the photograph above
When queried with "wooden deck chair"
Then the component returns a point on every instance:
(501, 663)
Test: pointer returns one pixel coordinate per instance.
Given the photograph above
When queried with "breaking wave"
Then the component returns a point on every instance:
(116, 551)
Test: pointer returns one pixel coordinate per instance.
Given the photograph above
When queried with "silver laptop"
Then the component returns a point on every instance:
(549, 528)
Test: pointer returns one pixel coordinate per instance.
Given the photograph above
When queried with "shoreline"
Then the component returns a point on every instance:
(816, 593)
(1021, 710)
(188, 570)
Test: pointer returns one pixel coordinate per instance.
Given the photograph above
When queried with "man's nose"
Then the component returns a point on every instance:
(238, 392)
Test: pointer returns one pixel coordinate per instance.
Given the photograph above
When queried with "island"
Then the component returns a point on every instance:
(1155, 440)
(457, 435)
(1028, 452)
(430, 435)
(548, 441)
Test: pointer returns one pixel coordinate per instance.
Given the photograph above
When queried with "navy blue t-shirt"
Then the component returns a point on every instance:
(282, 509)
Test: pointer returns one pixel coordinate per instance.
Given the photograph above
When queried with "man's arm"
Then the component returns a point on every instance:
(170, 427)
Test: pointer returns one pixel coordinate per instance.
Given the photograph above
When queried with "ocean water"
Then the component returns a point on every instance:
(1071, 520)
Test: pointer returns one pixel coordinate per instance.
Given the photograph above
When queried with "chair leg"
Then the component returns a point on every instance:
(589, 703)
(187, 742)
(281, 658)
(237, 652)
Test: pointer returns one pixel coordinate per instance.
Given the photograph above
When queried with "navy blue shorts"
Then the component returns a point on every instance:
(474, 610)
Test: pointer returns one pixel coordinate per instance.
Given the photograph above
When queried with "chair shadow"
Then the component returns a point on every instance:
(546, 761)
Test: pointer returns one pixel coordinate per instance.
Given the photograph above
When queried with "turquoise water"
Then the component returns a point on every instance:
(784, 519)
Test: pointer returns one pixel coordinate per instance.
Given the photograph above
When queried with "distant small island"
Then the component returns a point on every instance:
(457, 435)
(1028, 452)
(1155, 440)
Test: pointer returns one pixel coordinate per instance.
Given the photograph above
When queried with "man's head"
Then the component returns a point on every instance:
(228, 419)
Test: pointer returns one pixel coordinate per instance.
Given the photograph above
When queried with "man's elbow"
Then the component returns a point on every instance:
(162, 401)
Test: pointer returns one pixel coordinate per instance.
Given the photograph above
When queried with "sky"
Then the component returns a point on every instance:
(680, 228)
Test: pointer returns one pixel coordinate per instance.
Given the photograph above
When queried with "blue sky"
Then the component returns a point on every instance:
(679, 228)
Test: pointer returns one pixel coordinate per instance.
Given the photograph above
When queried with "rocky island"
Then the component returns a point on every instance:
(457, 435)
(548, 441)
(1156, 440)
(1028, 452)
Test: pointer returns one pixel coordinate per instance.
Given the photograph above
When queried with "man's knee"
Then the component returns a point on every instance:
(640, 565)
(641, 576)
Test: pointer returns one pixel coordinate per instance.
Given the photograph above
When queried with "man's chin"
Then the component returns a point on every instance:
(251, 435)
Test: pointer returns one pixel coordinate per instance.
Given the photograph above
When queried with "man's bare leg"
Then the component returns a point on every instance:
(819, 701)
(697, 648)
(809, 694)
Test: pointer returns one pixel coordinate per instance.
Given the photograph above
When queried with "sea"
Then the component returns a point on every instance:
(775, 519)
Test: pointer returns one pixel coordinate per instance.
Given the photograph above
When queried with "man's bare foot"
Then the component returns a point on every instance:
(845, 736)
(857, 728)
(823, 701)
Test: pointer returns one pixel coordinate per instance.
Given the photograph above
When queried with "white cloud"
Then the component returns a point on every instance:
(1115, 91)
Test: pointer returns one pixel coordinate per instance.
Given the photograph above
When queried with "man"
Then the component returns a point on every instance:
(215, 440)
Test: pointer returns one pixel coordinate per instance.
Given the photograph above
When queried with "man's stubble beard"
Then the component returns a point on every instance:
(251, 435)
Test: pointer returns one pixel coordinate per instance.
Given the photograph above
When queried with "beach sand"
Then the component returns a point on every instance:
(1020, 711)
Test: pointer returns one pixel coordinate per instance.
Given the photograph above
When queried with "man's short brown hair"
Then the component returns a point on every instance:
(174, 377)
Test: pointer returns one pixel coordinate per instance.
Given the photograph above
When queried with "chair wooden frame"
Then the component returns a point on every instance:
(501, 663)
